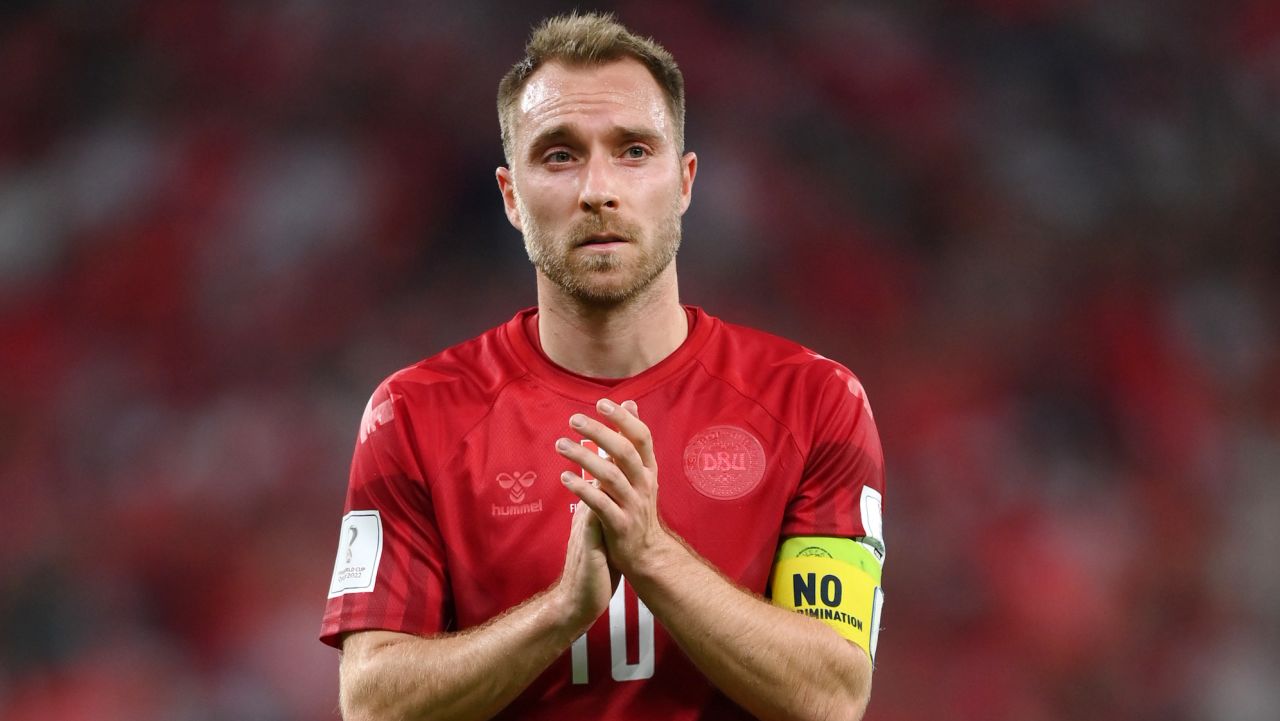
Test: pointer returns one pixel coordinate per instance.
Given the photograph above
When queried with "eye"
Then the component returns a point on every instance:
(559, 156)
(636, 152)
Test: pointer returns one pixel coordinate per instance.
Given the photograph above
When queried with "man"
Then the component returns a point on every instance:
(507, 549)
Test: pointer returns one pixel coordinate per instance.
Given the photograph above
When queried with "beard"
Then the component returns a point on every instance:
(603, 279)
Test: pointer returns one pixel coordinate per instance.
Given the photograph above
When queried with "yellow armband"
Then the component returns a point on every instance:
(835, 580)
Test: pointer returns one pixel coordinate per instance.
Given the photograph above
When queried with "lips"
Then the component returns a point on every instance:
(601, 239)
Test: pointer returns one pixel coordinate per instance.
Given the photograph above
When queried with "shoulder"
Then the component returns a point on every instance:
(755, 358)
(812, 396)
(458, 381)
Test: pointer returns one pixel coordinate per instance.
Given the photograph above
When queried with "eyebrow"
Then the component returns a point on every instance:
(554, 134)
(563, 132)
(647, 135)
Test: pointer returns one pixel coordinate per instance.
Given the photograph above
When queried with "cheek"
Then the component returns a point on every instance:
(545, 199)
(664, 195)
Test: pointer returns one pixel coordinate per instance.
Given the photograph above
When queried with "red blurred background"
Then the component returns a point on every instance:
(1037, 229)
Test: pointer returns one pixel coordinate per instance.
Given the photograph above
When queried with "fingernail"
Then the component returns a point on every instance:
(577, 421)
(566, 478)
(605, 407)
(562, 444)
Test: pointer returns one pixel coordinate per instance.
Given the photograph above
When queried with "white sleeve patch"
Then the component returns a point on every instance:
(355, 570)
(872, 505)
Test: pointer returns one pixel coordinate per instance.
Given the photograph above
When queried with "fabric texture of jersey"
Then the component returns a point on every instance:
(756, 437)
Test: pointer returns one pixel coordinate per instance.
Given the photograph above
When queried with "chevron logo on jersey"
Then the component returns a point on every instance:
(376, 417)
(516, 483)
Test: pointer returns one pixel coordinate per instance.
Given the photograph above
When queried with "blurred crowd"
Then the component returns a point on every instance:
(1038, 230)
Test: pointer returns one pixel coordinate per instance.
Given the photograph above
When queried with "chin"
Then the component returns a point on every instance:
(603, 282)
(604, 292)
(604, 295)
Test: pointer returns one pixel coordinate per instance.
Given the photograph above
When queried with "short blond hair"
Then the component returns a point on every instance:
(588, 39)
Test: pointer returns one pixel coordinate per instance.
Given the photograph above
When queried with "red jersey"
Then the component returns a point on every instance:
(455, 511)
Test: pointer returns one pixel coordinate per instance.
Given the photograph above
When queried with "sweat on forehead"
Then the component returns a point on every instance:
(557, 94)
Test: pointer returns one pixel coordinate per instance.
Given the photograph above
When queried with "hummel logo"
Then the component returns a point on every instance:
(515, 483)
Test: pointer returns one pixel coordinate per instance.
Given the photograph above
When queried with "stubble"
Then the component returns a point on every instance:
(603, 279)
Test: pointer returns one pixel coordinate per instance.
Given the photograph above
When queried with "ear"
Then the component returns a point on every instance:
(507, 187)
(688, 171)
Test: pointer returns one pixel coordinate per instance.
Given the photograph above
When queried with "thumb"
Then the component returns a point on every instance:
(582, 514)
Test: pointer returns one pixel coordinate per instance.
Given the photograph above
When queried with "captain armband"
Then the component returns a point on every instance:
(835, 580)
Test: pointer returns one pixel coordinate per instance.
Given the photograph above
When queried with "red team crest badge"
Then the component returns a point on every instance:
(724, 462)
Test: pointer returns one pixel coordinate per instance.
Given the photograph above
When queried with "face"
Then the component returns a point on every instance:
(596, 183)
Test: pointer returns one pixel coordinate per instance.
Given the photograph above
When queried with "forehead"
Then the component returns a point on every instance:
(622, 91)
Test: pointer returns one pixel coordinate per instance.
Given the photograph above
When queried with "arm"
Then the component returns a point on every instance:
(475, 673)
(775, 663)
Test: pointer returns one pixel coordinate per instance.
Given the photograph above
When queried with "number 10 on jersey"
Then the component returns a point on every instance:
(622, 671)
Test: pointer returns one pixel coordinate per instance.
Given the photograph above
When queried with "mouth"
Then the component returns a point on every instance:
(602, 241)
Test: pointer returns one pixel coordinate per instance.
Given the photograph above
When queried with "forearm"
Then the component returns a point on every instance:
(468, 675)
(775, 663)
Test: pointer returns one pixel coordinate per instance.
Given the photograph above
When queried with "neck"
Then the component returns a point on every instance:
(617, 341)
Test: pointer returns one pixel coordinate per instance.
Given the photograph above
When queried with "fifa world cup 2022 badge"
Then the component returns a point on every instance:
(724, 462)
(355, 570)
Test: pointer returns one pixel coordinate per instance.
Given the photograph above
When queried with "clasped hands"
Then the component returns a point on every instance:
(616, 527)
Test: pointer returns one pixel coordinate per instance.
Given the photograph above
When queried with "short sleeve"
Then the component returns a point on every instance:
(389, 572)
(841, 491)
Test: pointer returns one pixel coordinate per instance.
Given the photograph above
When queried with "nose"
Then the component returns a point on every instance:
(599, 186)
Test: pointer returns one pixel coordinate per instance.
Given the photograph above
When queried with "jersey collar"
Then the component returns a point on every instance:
(529, 353)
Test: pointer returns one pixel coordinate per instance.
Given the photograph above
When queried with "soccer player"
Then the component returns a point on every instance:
(612, 506)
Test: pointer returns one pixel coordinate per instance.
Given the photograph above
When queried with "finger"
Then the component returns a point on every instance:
(622, 464)
(606, 511)
(607, 474)
(632, 408)
(586, 526)
(632, 428)
(583, 516)
(620, 449)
